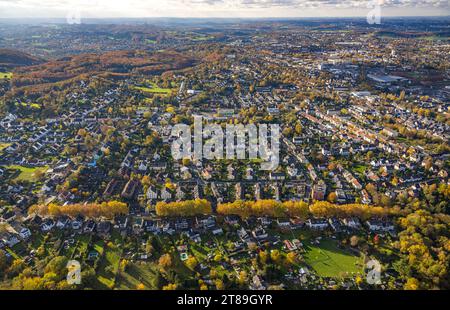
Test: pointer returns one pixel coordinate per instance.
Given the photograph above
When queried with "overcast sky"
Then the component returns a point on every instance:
(219, 8)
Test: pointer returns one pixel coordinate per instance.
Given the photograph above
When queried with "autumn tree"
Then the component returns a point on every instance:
(93, 210)
(275, 256)
(424, 242)
(332, 197)
(219, 285)
(292, 258)
(242, 278)
(411, 284)
(165, 261)
(191, 262)
(183, 208)
(354, 240)
(170, 287)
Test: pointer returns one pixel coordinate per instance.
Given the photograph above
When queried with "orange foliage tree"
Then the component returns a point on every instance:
(93, 210)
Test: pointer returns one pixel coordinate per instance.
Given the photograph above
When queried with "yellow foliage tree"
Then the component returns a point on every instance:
(183, 208)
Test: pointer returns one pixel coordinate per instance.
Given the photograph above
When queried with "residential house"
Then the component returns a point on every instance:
(62, 222)
(259, 233)
(352, 223)
(378, 225)
(47, 225)
(231, 219)
(318, 224)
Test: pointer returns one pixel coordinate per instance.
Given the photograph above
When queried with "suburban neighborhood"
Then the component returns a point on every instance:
(87, 173)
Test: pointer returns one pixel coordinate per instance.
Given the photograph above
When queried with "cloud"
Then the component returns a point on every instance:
(241, 3)
(210, 8)
(319, 3)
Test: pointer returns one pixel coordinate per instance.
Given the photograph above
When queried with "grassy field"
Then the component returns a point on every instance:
(330, 261)
(326, 258)
(202, 38)
(80, 248)
(155, 89)
(28, 174)
(109, 263)
(37, 239)
(33, 105)
(146, 272)
(137, 273)
(13, 253)
(108, 266)
(360, 169)
(434, 38)
(6, 75)
(4, 146)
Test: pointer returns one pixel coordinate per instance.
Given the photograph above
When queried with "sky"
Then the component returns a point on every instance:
(219, 8)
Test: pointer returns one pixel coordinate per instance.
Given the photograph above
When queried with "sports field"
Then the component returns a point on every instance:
(153, 88)
(330, 261)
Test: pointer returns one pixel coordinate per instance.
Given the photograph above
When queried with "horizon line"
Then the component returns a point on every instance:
(220, 17)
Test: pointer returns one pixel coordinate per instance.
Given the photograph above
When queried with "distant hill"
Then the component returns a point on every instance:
(117, 64)
(442, 35)
(10, 59)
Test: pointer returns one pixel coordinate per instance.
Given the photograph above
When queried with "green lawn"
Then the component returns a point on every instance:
(6, 75)
(200, 252)
(32, 105)
(13, 254)
(26, 173)
(433, 38)
(202, 38)
(360, 169)
(137, 273)
(99, 247)
(37, 239)
(155, 89)
(4, 146)
(109, 265)
(81, 246)
(330, 261)
(146, 273)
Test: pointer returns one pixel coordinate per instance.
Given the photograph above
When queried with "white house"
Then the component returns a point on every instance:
(10, 239)
(318, 224)
(165, 194)
(62, 222)
(24, 233)
(352, 223)
(379, 225)
(151, 193)
(47, 225)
